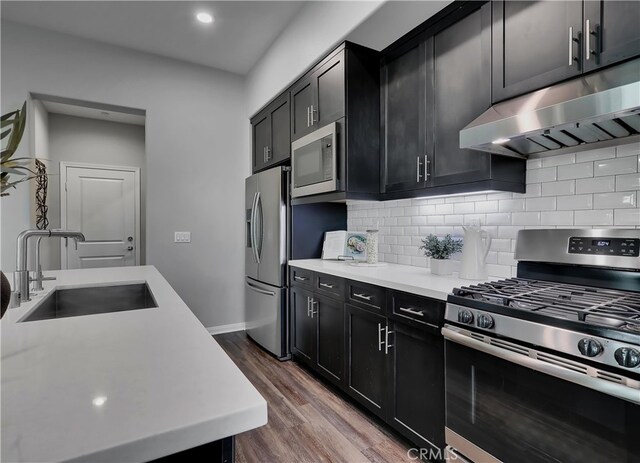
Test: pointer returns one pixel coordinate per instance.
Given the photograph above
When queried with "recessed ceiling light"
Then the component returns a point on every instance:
(204, 18)
(501, 141)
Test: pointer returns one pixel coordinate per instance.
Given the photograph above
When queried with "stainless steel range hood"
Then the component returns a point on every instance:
(591, 111)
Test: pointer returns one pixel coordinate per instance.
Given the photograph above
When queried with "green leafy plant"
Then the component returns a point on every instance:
(440, 248)
(13, 125)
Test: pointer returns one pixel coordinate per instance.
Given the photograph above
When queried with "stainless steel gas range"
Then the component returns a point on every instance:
(545, 367)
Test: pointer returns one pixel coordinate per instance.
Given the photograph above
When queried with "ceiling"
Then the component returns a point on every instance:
(93, 113)
(241, 33)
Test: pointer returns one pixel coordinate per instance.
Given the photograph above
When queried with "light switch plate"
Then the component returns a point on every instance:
(182, 237)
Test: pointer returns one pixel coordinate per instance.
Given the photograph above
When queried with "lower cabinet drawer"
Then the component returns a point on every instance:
(301, 277)
(366, 296)
(404, 306)
(329, 285)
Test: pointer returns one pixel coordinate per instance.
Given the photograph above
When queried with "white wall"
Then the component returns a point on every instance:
(196, 145)
(315, 30)
(590, 189)
(90, 141)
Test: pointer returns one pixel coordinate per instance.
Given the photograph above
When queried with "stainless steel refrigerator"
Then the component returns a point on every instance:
(266, 253)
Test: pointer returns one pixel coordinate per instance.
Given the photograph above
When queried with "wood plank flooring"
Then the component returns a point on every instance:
(308, 421)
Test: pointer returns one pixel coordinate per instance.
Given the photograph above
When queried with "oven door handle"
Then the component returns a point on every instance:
(601, 385)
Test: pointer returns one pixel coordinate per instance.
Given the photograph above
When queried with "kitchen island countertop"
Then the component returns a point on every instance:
(122, 386)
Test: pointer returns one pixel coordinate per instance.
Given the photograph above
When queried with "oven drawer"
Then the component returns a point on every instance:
(367, 296)
(301, 277)
(419, 309)
(329, 285)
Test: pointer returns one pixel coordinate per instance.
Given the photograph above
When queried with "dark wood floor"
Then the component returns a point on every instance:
(308, 421)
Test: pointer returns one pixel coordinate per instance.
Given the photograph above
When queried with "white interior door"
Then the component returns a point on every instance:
(103, 202)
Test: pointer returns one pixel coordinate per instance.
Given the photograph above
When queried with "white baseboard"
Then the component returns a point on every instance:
(213, 330)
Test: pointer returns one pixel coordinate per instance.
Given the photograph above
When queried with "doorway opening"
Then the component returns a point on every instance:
(96, 171)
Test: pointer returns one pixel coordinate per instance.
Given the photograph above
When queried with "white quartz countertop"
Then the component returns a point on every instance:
(416, 280)
(123, 386)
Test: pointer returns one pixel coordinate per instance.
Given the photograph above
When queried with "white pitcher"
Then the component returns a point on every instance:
(473, 265)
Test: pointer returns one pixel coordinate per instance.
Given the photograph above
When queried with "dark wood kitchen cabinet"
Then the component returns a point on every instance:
(303, 333)
(366, 358)
(329, 316)
(416, 384)
(271, 135)
(432, 86)
(319, 98)
(535, 44)
(539, 43)
(612, 29)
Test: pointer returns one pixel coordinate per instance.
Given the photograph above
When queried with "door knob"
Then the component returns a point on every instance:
(130, 239)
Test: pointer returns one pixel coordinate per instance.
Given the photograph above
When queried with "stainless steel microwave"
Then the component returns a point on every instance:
(314, 160)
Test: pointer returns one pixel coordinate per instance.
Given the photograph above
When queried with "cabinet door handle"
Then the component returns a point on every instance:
(297, 278)
(587, 35)
(308, 116)
(264, 154)
(326, 285)
(268, 153)
(362, 296)
(418, 165)
(380, 341)
(313, 121)
(387, 346)
(308, 306)
(571, 40)
(426, 167)
(313, 302)
(419, 313)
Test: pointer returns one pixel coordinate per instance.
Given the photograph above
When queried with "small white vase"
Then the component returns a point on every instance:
(441, 266)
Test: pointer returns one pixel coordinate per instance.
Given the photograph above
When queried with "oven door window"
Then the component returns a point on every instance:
(517, 414)
(314, 163)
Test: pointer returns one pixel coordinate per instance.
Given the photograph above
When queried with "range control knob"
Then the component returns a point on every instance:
(466, 317)
(590, 347)
(627, 357)
(484, 321)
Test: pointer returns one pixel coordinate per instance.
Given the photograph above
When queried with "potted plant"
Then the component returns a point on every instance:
(13, 125)
(439, 250)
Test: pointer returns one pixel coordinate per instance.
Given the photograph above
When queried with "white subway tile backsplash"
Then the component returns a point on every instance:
(597, 188)
(558, 160)
(580, 170)
(614, 200)
(575, 202)
(540, 204)
(511, 205)
(594, 155)
(564, 187)
(548, 174)
(627, 217)
(628, 182)
(599, 217)
(556, 218)
(595, 185)
(624, 165)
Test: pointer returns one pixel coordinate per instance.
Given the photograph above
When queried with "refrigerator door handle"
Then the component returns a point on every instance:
(259, 290)
(259, 230)
(252, 231)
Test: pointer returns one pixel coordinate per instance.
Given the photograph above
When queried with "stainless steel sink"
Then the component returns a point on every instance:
(74, 302)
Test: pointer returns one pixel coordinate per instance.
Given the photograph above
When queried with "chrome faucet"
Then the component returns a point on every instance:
(21, 275)
(39, 276)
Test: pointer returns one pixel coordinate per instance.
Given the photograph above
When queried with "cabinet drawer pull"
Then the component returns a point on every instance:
(362, 296)
(326, 285)
(419, 313)
(297, 278)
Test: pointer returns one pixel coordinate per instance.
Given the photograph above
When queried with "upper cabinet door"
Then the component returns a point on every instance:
(535, 44)
(301, 101)
(261, 140)
(329, 82)
(403, 118)
(280, 148)
(461, 92)
(611, 31)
